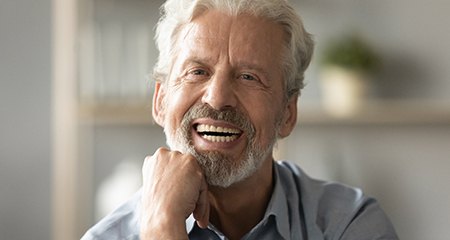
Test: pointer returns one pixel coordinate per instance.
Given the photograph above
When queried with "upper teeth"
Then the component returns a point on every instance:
(211, 128)
(218, 134)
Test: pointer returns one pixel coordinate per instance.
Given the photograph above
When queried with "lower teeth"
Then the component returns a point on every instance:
(219, 138)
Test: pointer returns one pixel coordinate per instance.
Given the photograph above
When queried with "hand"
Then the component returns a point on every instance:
(174, 187)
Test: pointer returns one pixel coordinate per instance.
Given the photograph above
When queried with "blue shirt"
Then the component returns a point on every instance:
(300, 208)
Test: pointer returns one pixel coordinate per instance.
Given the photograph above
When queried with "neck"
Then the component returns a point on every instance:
(237, 209)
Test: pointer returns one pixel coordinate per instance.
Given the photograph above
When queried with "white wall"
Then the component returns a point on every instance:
(25, 90)
(411, 36)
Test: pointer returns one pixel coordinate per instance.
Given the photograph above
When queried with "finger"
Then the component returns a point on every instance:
(149, 163)
(206, 217)
(201, 211)
(145, 167)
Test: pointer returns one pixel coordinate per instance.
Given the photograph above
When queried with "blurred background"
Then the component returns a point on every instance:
(75, 105)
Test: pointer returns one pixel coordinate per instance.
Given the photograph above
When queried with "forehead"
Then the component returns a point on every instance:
(244, 37)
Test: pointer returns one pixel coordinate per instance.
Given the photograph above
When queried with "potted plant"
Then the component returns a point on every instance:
(346, 65)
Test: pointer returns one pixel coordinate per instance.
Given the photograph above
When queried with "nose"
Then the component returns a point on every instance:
(220, 92)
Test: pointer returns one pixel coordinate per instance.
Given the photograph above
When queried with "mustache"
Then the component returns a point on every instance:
(231, 115)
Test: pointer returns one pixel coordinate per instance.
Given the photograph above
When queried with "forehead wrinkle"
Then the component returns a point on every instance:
(218, 31)
(212, 37)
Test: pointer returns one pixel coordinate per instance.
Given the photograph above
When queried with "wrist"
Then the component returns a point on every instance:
(163, 227)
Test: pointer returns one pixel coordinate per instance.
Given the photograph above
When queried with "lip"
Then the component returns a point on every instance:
(203, 144)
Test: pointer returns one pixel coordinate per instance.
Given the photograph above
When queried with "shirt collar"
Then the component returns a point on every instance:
(190, 222)
(277, 207)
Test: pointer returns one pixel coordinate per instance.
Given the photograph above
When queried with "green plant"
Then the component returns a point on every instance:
(350, 52)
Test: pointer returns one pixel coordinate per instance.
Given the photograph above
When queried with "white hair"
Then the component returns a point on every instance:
(298, 46)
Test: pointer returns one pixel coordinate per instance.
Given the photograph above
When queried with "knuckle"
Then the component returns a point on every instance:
(148, 158)
(161, 150)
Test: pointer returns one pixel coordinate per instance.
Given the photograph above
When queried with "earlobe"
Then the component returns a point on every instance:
(289, 117)
(158, 103)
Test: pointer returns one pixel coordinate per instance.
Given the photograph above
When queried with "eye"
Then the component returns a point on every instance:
(252, 80)
(248, 77)
(196, 74)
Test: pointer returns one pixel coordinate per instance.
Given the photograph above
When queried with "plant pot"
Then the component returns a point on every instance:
(343, 90)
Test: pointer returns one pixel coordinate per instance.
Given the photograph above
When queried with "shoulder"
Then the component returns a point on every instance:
(122, 223)
(332, 209)
(318, 192)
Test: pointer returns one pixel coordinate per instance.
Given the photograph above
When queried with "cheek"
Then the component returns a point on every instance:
(264, 118)
(178, 102)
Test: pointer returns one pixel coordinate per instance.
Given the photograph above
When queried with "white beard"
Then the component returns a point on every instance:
(220, 169)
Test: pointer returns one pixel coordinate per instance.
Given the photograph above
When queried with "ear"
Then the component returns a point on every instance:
(289, 117)
(158, 103)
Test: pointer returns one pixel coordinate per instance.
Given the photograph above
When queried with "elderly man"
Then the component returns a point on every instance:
(227, 81)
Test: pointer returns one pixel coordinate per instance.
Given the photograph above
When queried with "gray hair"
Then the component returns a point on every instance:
(298, 48)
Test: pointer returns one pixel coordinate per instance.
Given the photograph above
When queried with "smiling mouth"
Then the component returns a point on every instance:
(217, 134)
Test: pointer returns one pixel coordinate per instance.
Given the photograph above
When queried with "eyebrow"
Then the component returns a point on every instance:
(207, 61)
(197, 60)
(252, 67)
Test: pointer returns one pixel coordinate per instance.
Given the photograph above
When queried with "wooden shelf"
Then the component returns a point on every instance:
(116, 114)
(379, 113)
(376, 113)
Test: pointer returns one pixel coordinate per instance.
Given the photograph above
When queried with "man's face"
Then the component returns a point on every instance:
(224, 99)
